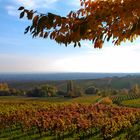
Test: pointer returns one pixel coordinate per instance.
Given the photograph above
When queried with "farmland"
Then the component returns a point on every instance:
(56, 100)
(132, 103)
(95, 113)
(70, 119)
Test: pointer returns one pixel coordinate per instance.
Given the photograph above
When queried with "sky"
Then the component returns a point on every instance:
(20, 53)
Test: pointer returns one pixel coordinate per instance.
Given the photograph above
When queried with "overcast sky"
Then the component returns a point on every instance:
(21, 53)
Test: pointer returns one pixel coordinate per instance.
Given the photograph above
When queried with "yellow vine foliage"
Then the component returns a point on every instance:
(96, 20)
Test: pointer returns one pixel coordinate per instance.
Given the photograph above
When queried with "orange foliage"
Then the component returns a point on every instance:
(4, 87)
(97, 21)
(106, 101)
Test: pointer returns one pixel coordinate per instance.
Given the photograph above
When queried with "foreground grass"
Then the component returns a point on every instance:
(18, 135)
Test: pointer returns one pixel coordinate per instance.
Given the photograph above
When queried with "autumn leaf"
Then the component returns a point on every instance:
(97, 21)
(22, 14)
(21, 8)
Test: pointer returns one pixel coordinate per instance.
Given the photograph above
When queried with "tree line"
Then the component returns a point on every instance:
(72, 90)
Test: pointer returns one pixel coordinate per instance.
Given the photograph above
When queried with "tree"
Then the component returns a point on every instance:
(70, 89)
(96, 20)
(135, 89)
(43, 91)
(70, 86)
(4, 87)
(16, 92)
(91, 90)
(73, 90)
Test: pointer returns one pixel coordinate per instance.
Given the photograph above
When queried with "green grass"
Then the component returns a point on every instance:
(132, 103)
(16, 134)
(88, 99)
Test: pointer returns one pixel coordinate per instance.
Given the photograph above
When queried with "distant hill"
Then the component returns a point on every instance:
(58, 76)
(111, 82)
(114, 82)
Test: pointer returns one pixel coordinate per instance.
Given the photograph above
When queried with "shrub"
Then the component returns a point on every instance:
(91, 90)
(106, 101)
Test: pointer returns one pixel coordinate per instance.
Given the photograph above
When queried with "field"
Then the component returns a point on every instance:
(80, 118)
(90, 99)
(118, 99)
(132, 103)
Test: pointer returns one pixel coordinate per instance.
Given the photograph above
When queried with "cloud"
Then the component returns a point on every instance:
(75, 3)
(30, 4)
(21, 63)
(109, 59)
(49, 4)
(35, 4)
(12, 10)
(39, 5)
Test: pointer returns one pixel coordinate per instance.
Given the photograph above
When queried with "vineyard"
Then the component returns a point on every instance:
(118, 99)
(41, 120)
(132, 103)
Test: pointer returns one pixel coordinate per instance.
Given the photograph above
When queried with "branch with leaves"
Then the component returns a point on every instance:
(97, 21)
